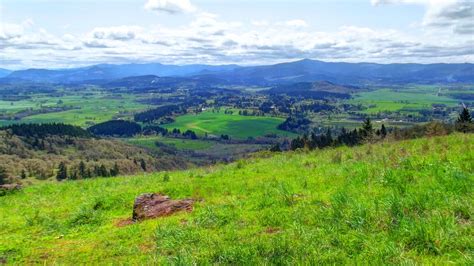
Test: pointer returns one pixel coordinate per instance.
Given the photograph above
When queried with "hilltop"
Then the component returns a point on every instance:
(392, 202)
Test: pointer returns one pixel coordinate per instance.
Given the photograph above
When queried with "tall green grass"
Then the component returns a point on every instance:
(390, 203)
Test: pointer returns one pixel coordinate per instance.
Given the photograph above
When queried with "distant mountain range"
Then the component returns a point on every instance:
(152, 82)
(292, 72)
(112, 72)
(4, 72)
(351, 73)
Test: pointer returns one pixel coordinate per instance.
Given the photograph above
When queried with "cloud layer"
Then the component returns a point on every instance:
(454, 15)
(170, 6)
(445, 36)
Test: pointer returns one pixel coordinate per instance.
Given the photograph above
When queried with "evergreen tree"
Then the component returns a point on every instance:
(23, 174)
(314, 141)
(276, 148)
(383, 131)
(329, 139)
(367, 130)
(96, 170)
(3, 175)
(354, 138)
(464, 122)
(103, 171)
(297, 143)
(82, 170)
(143, 164)
(115, 170)
(73, 175)
(62, 171)
(88, 173)
(464, 116)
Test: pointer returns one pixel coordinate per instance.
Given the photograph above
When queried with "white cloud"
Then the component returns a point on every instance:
(11, 30)
(457, 16)
(454, 15)
(208, 38)
(121, 33)
(170, 6)
(419, 2)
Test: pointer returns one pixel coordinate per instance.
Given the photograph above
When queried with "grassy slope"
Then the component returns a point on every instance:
(393, 202)
(233, 125)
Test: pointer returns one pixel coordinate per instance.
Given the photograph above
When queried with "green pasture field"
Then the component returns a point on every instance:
(237, 126)
(343, 120)
(95, 108)
(417, 98)
(402, 203)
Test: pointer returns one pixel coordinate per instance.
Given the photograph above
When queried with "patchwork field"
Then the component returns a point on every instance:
(92, 111)
(237, 126)
(389, 203)
(405, 100)
(87, 108)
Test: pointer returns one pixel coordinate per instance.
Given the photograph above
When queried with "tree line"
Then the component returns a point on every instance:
(157, 113)
(83, 173)
(49, 129)
(367, 134)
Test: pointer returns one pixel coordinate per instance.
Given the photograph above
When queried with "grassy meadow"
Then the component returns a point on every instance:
(92, 110)
(406, 100)
(408, 202)
(234, 125)
(89, 108)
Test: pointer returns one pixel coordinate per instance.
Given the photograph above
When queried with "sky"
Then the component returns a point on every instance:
(72, 33)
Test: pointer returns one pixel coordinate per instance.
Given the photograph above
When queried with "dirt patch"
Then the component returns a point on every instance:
(272, 230)
(123, 222)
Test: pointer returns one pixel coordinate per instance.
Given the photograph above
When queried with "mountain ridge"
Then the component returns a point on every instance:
(305, 70)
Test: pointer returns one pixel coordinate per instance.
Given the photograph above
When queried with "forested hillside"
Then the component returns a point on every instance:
(37, 152)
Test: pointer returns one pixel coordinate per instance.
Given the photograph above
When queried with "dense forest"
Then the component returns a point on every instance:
(120, 128)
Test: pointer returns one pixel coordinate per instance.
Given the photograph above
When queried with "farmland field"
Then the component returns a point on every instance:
(92, 111)
(238, 126)
(399, 100)
(86, 109)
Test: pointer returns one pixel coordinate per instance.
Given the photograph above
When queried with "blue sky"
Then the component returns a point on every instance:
(67, 33)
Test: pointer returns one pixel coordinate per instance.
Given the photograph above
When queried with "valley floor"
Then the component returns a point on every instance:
(393, 202)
